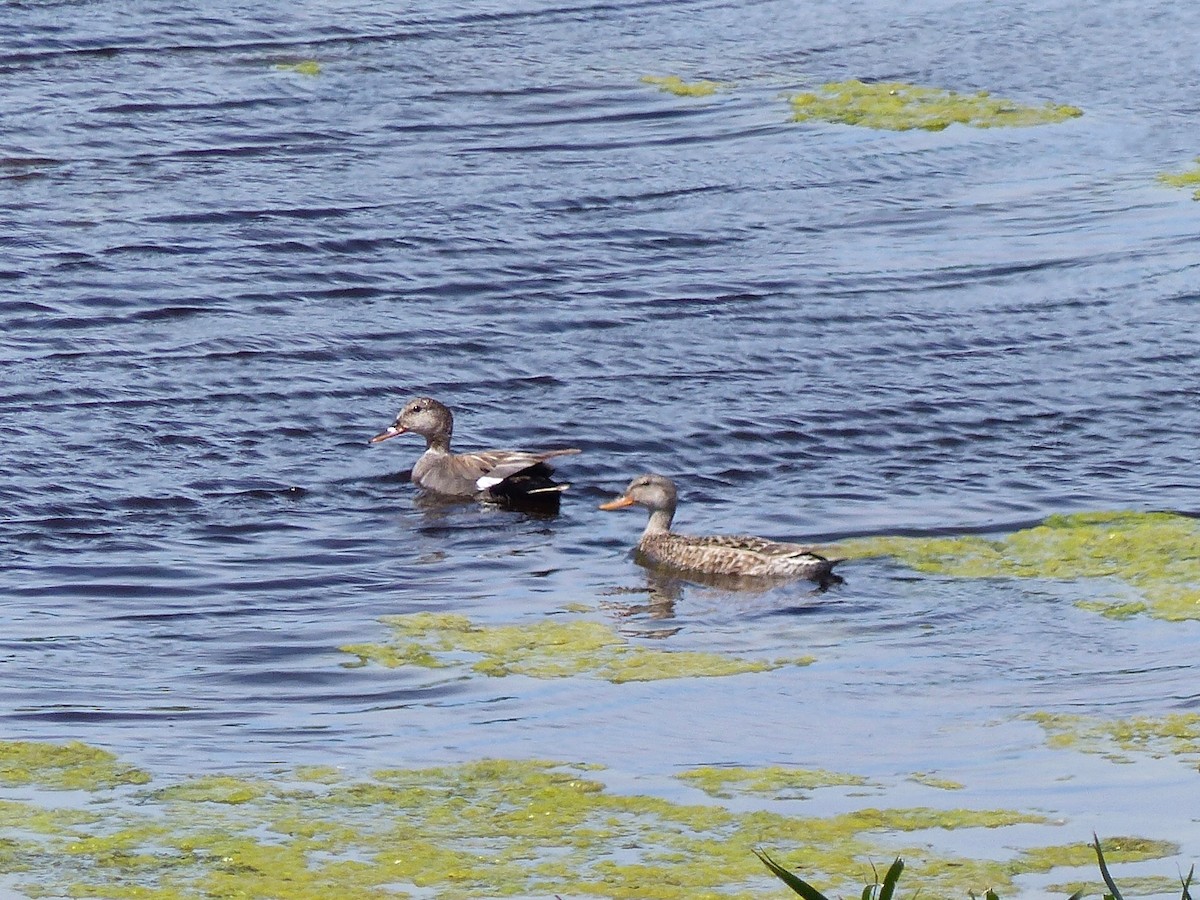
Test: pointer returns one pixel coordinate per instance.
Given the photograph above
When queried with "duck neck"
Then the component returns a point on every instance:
(437, 443)
(660, 521)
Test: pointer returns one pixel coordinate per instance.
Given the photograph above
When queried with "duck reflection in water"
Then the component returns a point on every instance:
(664, 588)
(660, 593)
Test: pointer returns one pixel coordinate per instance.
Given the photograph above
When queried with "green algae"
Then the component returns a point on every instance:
(894, 106)
(1116, 850)
(1177, 734)
(1146, 886)
(488, 828)
(213, 789)
(308, 67)
(14, 814)
(576, 607)
(930, 780)
(70, 766)
(673, 84)
(1157, 554)
(771, 781)
(1114, 609)
(548, 649)
(322, 774)
(1186, 179)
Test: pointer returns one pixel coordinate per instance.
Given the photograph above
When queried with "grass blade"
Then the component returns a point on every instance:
(797, 884)
(1187, 895)
(1112, 885)
(890, 879)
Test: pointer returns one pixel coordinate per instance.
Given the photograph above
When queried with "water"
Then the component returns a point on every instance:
(220, 277)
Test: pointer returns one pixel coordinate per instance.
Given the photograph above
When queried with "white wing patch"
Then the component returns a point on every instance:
(487, 481)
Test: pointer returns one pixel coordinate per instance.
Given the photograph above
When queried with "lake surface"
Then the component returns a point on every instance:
(220, 274)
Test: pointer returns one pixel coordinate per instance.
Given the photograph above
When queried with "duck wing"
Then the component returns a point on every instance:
(746, 542)
(741, 554)
(493, 467)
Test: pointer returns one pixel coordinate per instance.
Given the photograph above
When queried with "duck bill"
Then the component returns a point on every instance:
(391, 432)
(619, 503)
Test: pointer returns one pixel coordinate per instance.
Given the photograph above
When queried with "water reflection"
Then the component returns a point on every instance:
(438, 508)
(664, 589)
(658, 606)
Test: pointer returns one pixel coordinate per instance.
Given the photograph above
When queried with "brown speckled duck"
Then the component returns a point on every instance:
(724, 555)
(508, 475)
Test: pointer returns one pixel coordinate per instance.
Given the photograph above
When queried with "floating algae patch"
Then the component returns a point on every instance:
(895, 106)
(1186, 179)
(1043, 860)
(490, 828)
(1114, 609)
(1116, 850)
(1118, 739)
(549, 649)
(213, 789)
(1145, 886)
(930, 780)
(323, 774)
(25, 816)
(70, 766)
(303, 67)
(771, 781)
(673, 84)
(1157, 554)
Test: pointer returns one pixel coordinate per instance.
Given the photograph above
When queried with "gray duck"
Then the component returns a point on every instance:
(506, 475)
(740, 556)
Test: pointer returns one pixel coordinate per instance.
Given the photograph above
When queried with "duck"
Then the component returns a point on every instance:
(502, 475)
(740, 556)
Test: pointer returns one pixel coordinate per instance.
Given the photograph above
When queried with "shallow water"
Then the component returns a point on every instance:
(221, 276)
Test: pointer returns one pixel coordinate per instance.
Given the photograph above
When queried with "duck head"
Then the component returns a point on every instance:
(423, 416)
(655, 492)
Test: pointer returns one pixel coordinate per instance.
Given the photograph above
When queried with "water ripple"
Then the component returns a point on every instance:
(223, 275)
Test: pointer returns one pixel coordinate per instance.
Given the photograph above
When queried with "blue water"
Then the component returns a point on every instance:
(219, 276)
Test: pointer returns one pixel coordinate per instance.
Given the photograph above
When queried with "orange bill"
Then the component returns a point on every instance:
(619, 503)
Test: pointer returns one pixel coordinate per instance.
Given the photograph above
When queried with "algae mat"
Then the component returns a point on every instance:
(1188, 178)
(1176, 735)
(673, 84)
(490, 828)
(1157, 554)
(895, 106)
(549, 649)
